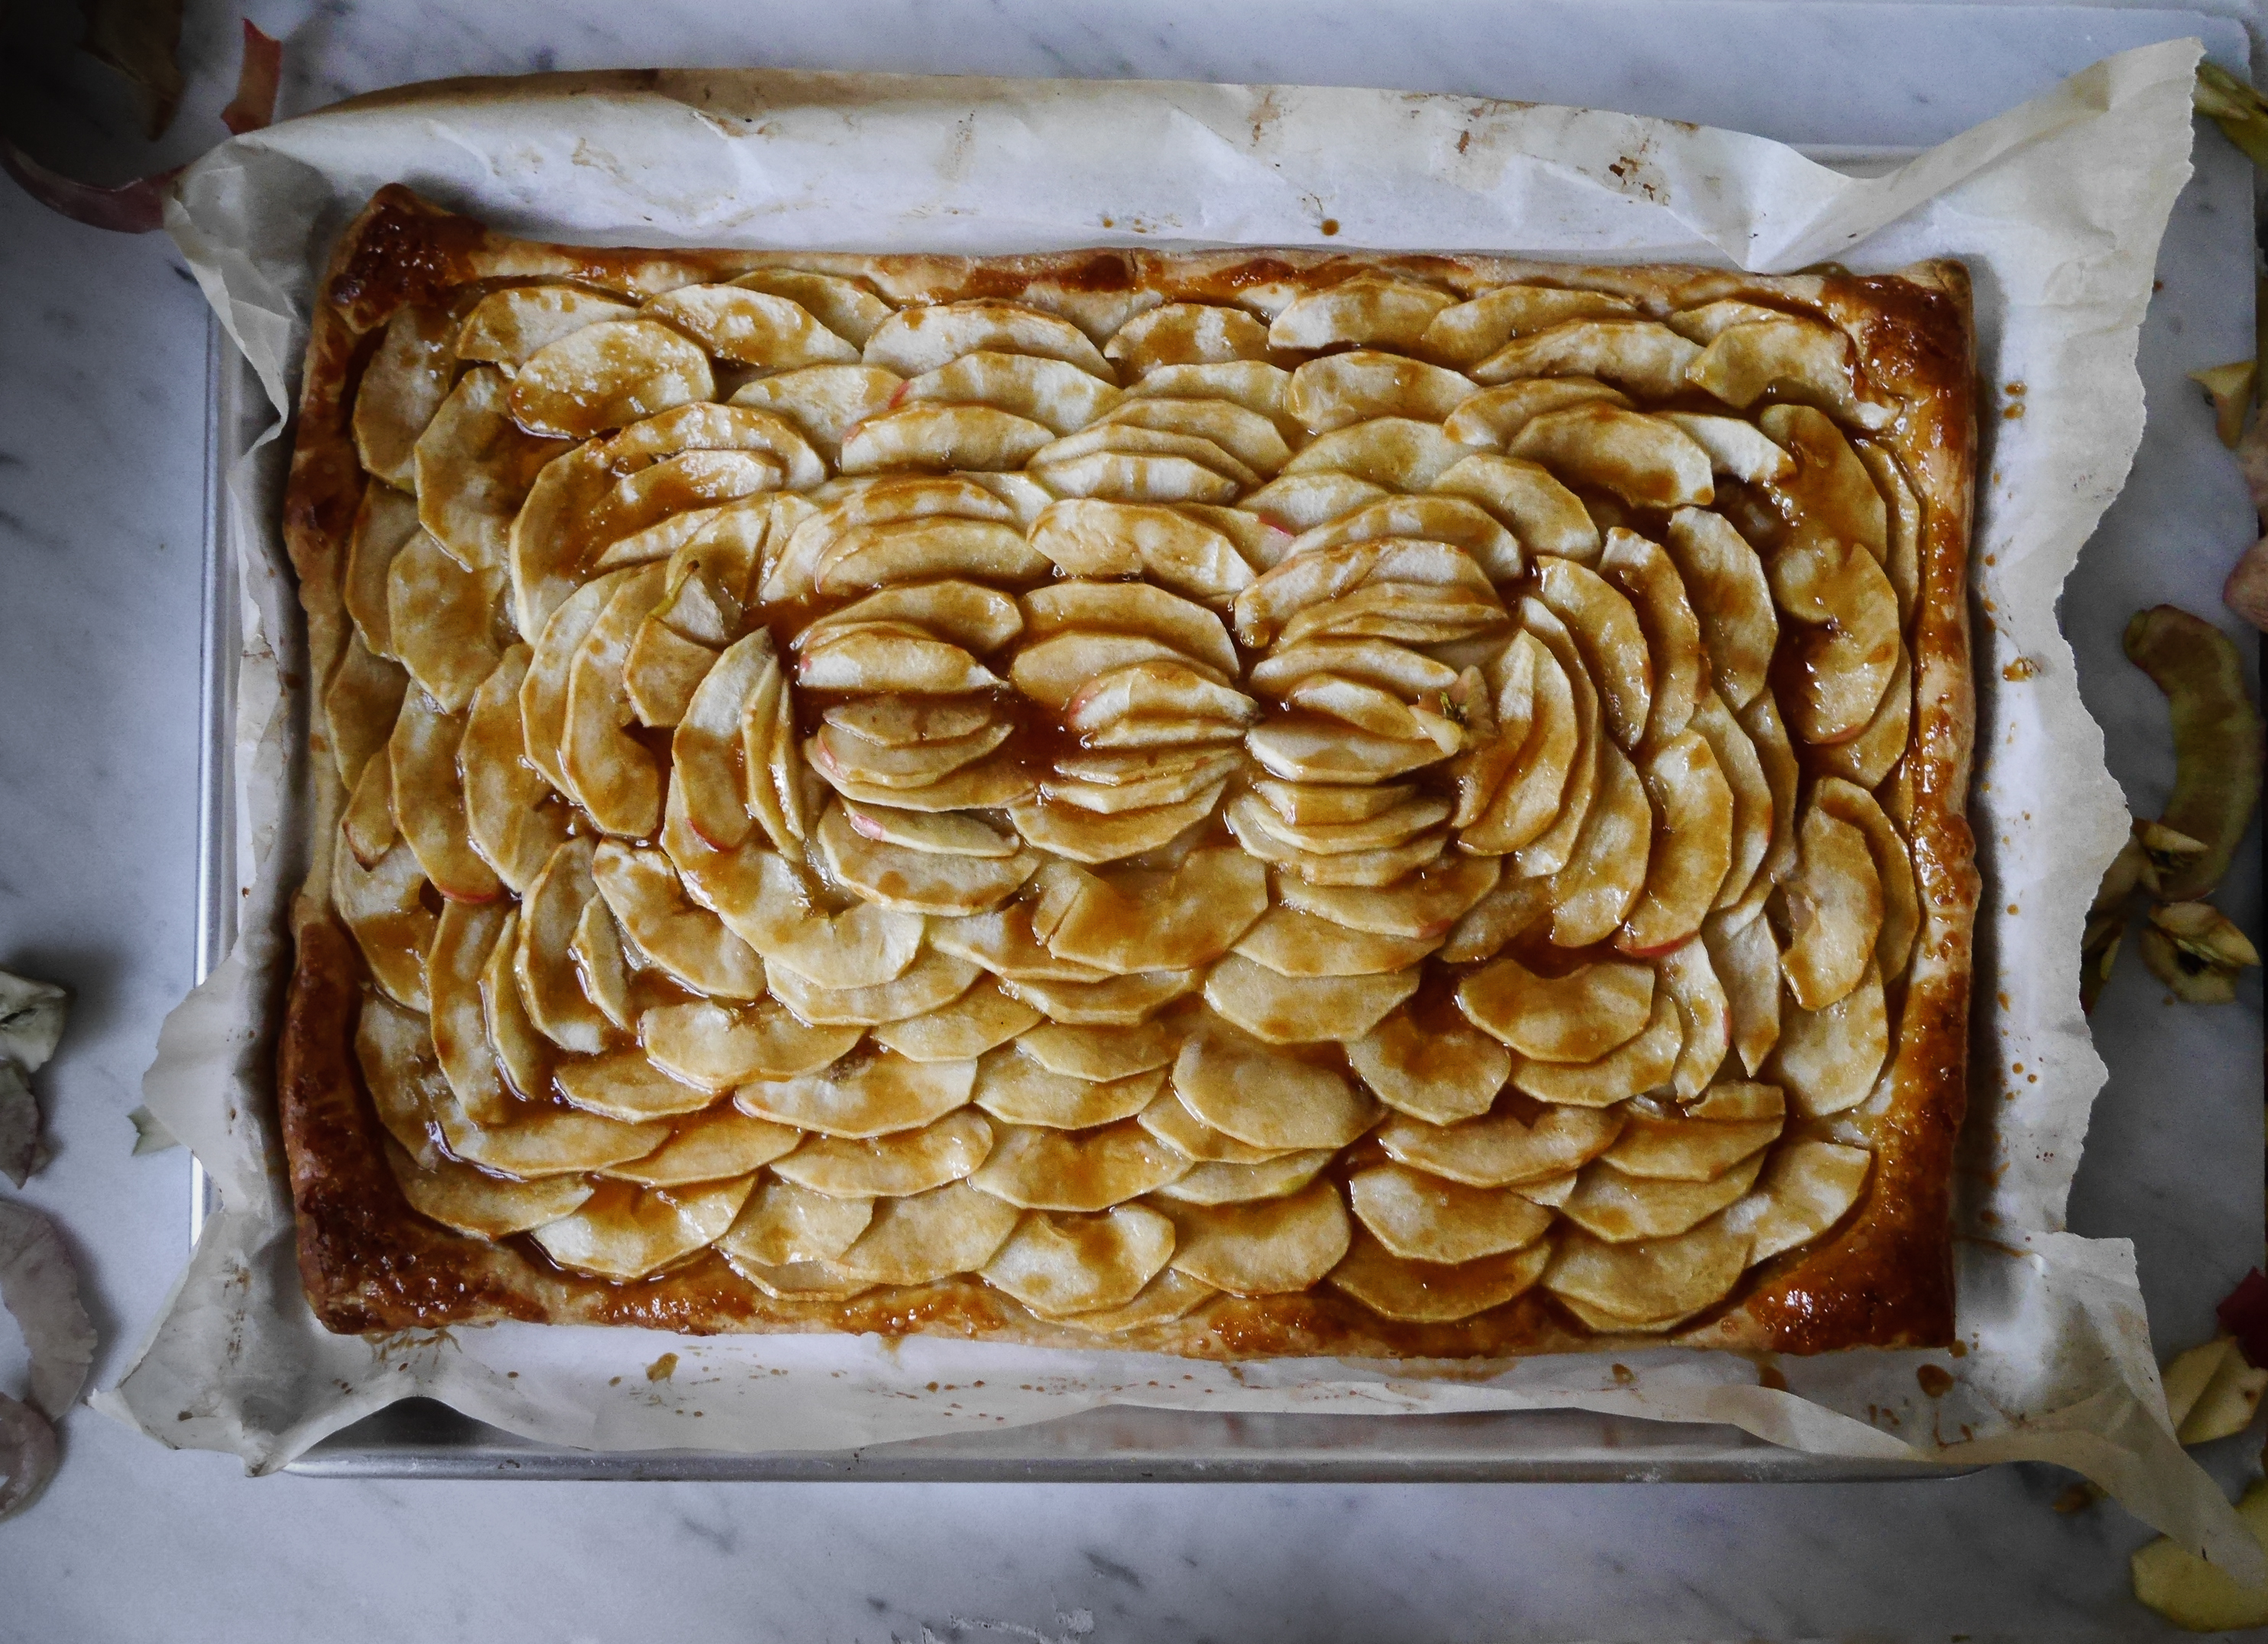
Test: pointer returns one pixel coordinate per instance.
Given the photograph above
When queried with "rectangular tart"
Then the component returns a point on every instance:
(1236, 803)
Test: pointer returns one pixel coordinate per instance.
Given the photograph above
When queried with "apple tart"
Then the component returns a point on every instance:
(1232, 803)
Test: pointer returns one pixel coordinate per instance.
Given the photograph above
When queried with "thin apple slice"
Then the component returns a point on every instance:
(1493, 417)
(1642, 355)
(550, 545)
(1053, 670)
(1649, 1284)
(543, 689)
(1356, 868)
(752, 327)
(933, 979)
(1187, 333)
(1003, 943)
(1149, 476)
(972, 616)
(1724, 580)
(1086, 537)
(1868, 757)
(1313, 749)
(942, 438)
(597, 950)
(894, 658)
(1240, 1086)
(846, 306)
(1831, 497)
(1367, 308)
(1434, 1293)
(931, 1236)
(1134, 609)
(1099, 1054)
(1801, 358)
(1848, 660)
(1169, 1119)
(523, 1056)
(718, 1046)
(622, 1232)
(403, 386)
(1829, 1059)
(1834, 909)
(463, 941)
(1430, 1219)
(1692, 853)
(1249, 438)
(548, 984)
(1531, 795)
(893, 722)
(663, 670)
(1806, 1189)
(1056, 1265)
(707, 759)
(1416, 613)
(1190, 919)
(1284, 1011)
(1294, 502)
(966, 1027)
(1902, 557)
(1550, 850)
(1893, 868)
(1253, 384)
(1499, 1150)
(1709, 322)
(382, 908)
(823, 403)
(871, 1097)
(924, 549)
(1451, 520)
(866, 765)
(473, 1201)
(1325, 571)
(1753, 809)
(1619, 1208)
(549, 1142)
(1163, 691)
(1340, 389)
(1512, 907)
(1394, 453)
(1273, 1247)
(801, 1281)
(1777, 755)
(1705, 1015)
(1215, 1184)
(1168, 1296)
(1673, 633)
(624, 1086)
(1086, 837)
(1017, 1090)
(1608, 870)
(1194, 771)
(921, 338)
(891, 1166)
(1544, 514)
(1296, 944)
(687, 941)
(429, 801)
(1647, 461)
(817, 537)
(1133, 443)
(1642, 1064)
(1736, 448)
(384, 521)
(1307, 804)
(1469, 332)
(394, 1047)
(442, 619)
(368, 823)
(473, 468)
(1426, 904)
(609, 773)
(1038, 1168)
(1613, 642)
(1746, 959)
(1730, 1124)
(507, 326)
(917, 882)
(607, 375)
(1576, 1017)
(782, 1223)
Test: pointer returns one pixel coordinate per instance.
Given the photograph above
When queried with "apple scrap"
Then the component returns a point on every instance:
(927, 815)
(39, 1289)
(31, 1015)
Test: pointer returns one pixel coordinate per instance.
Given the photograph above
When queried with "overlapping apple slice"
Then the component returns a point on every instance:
(910, 878)
(1724, 580)
(596, 949)
(1371, 309)
(1053, 393)
(1260, 1096)
(868, 1095)
(1754, 814)
(1648, 1285)
(1435, 1293)
(930, 981)
(923, 338)
(940, 438)
(384, 521)
(1169, 1119)
(931, 1236)
(608, 772)
(1650, 580)
(1801, 358)
(1340, 389)
(1642, 355)
(607, 375)
(966, 1027)
(474, 466)
(845, 305)
(1638, 1065)
(1151, 922)
(508, 325)
(1295, 944)
(1835, 905)
(1017, 1090)
(641, 888)
(752, 327)
(843, 528)
(1746, 959)
(1036, 1168)
(383, 908)
(1293, 502)
(1168, 1296)
(1575, 1017)
(404, 384)
(718, 1046)
(1730, 1123)
(1543, 514)
(430, 801)
(1288, 1011)
(1619, 1209)
(709, 1146)
(523, 1054)
(1187, 333)
(1268, 1248)
(1737, 448)
(1502, 1149)
(1250, 438)
(464, 940)
(1647, 461)
(441, 618)
(1058, 1265)
(1429, 1219)
(1608, 870)
(1086, 538)
(1394, 453)
(1439, 1074)
(823, 403)
(1468, 332)
(1694, 814)
(510, 816)
(1426, 903)
(1513, 906)
(473, 1201)
(550, 984)
(890, 1166)
(1868, 757)
(1893, 868)
(782, 1223)
(1459, 524)
(1276, 1178)
(1806, 1187)
(1829, 1059)
(1690, 979)
(623, 1232)
(625, 1085)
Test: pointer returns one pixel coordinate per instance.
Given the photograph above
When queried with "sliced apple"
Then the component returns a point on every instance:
(1512, 907)
(1647, 461)
(1612, 641)
(1169, 1119)
(1109, 781)
(1187, 333)
(875, 1095)
(1802, 358)
(1017, 1090)
(1165, 689)
(1461, 524)
(1673, 632)
(1250, 438)
(1829, 1059)
(544, 688)
(1806, 1189)
(1868, 757)
(1576, 1018)
(1428, 1219)
(718, 1046)
(1215, 1183)
(1746, 959)
(1499, 1150)
(1299, 502)
(429, 801)
(507, 326)
(1053, 393)
(1648, 1284)
(603, 376)
(661, 672)
(1310, 748)
(1753, 806)
(1296, 944)
(1089, 538)
(924, 549)
(596, 947)
(1848, 660)
(473, 469)
(1724, 580)
(1893, 868)
(1642, 355)
(1426, 904)
(1701, 1149)
(1468, 332)
(1132, 609)
(1273, 1247)
(623, 1232)
(687, 942)
(1056, 1265)
(522, 1054)
(463, 941)
(1168, 1296)
(915, 881)
(1039, 1169)
(942, 438)
(1633, 1069)
(1395, 454)
(550, 984)
(394, 1047)
(1253, 384)
(782, 1223)
(473, 1201)
(549, 1142)
(1114, 1002)
(890, 1166)
(1834, 909)
(1417, 613)
(1141, 468)
(608, 772)
(846, 306)
(1530, 797)
(1619, 1208)
(1324, 572)
(1704, 325)
(1286, 1010)
(923, 338)
(1098, 1054)
(966, 1027)
(1490, 419)
(1365, 308)
(384, 521)
(1902, 557)
(1434, 1293)
(625, 1086)
(442, 619)
(402, 388)
(819, 537)
(1189, 919)
(1608, 870)
(368, 824)
(752, 327)
(1238, 1085)
(1777, 755)
(822, 402)
(1543, 514)
(1340, 389)
(1693, 816)
(1690, 978)
(1736, 448)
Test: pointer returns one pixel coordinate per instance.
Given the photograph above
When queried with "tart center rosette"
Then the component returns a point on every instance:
(1130, 799)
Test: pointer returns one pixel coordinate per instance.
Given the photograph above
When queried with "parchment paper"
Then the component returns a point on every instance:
(2057, 206)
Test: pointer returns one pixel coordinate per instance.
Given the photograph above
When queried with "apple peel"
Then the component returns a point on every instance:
(2218, 748)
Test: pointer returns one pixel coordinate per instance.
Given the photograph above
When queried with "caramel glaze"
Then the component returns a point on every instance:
(1882, 1278)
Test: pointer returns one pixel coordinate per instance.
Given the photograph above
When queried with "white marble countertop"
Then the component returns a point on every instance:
(102, 405)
